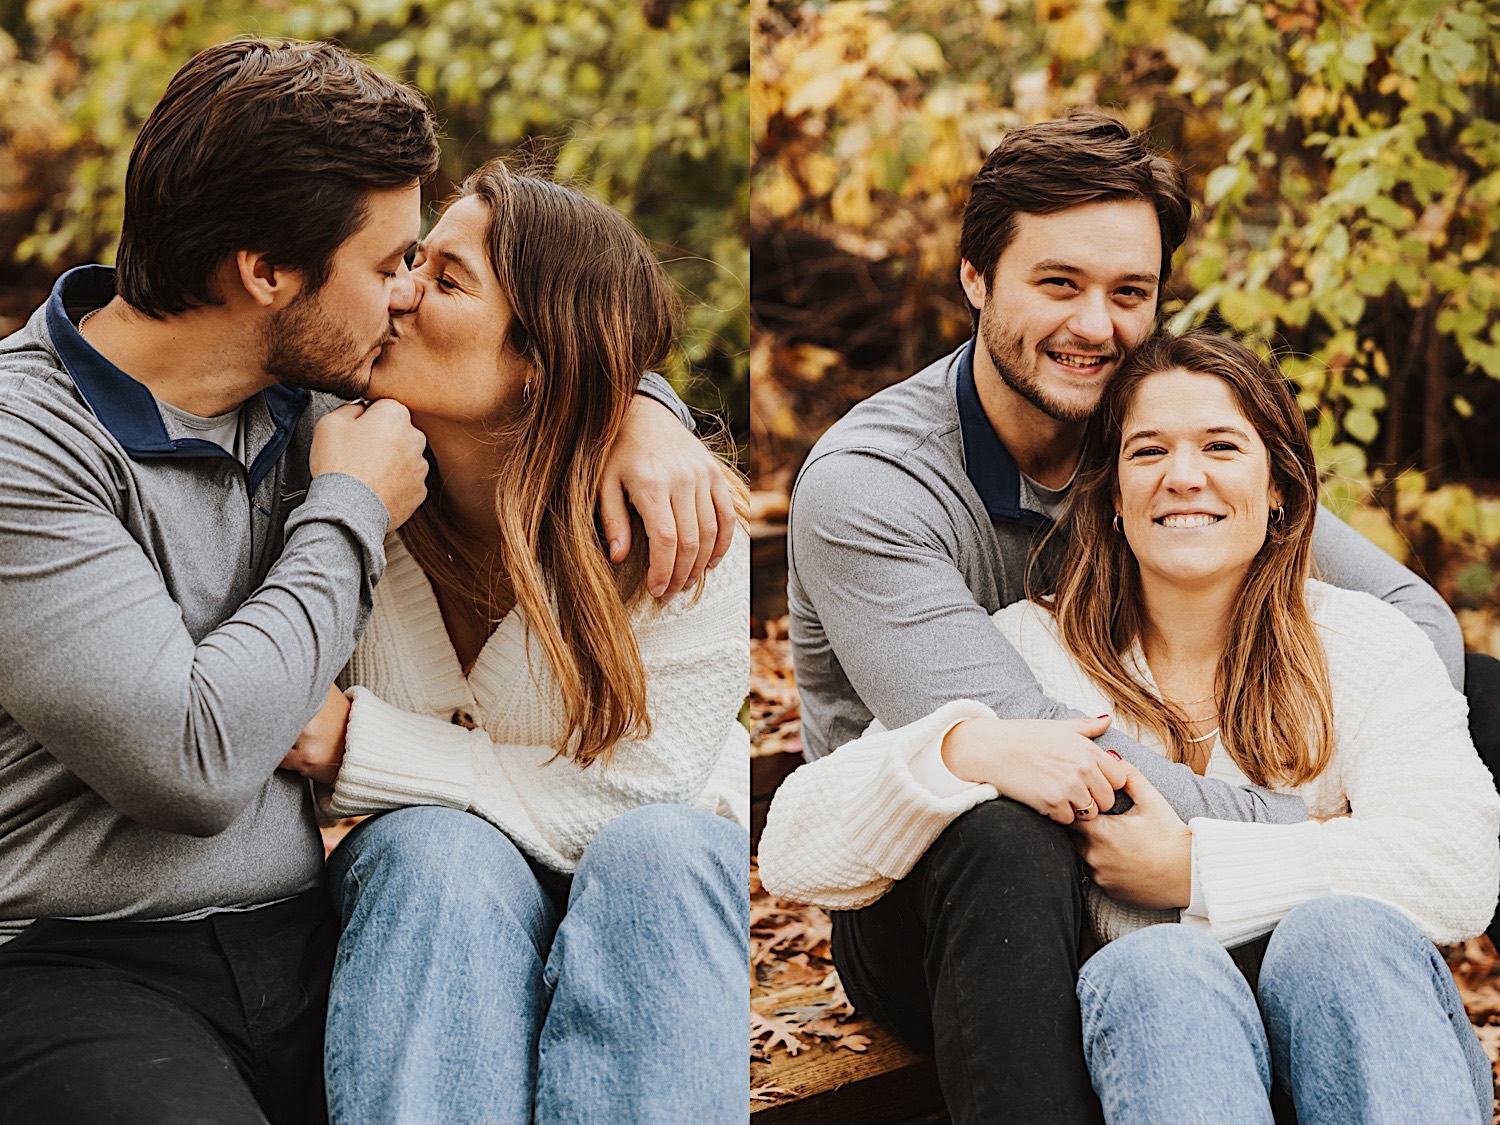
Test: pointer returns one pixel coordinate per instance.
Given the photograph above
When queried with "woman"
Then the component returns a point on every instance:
(578, 954)
(1184, 607)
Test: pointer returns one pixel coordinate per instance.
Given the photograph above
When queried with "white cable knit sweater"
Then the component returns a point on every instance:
(407, 742)
(1424, 834)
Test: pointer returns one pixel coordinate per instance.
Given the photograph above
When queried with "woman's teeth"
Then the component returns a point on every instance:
(1195, 520)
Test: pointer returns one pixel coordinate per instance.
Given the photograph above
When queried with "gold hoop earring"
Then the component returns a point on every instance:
(526, 391)
(1278, 515)
(1115, 523)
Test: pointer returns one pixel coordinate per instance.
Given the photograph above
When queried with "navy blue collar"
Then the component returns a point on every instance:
(992, 470)
(125, 407)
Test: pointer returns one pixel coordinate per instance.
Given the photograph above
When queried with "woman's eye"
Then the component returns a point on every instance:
(1148, 451)
(445, 283)
(1223, 447)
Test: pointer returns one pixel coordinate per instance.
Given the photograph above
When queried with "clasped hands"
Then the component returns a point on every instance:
(1142, 857)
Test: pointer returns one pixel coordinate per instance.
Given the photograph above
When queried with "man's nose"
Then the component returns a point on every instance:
(405, 293)
(1091, 321)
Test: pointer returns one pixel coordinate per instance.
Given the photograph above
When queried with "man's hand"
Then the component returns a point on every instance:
(1143, 857)
(319, 750)
(1050, 765)
(378, 445)
(680, 491)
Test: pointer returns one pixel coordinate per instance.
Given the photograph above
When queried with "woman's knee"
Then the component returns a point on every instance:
(1157, 961)
(662, 844)
(1342, 941)
(426, 856)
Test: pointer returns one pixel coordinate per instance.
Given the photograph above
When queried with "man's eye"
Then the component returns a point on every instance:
(1061, 281)
(446, 283)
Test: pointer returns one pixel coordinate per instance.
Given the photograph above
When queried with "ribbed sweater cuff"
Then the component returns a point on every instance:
(895, 816)
(393, 758)
(1249, 876)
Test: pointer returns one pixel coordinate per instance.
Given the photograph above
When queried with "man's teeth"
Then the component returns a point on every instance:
(1194, 520)
(1078, 360)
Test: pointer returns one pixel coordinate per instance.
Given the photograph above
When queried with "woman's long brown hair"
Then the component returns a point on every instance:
(593, 309)
(1275, 702)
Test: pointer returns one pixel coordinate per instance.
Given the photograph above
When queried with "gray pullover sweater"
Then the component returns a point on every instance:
(169, 621)
(909, 527)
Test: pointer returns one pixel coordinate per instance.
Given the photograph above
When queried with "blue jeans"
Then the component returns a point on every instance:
(474, 986)
(1354, 1013)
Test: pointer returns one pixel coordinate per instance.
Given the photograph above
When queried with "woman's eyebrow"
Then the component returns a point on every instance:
(1138, 434)
(457, 261)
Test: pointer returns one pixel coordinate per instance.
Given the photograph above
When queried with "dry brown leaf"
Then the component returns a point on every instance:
(770, 1093)
(775, 1032)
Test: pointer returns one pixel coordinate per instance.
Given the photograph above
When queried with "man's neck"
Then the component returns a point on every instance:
(204, 361)
(1045, 449)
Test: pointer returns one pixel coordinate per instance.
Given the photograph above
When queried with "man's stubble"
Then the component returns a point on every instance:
(1008, 355)
(306, 348)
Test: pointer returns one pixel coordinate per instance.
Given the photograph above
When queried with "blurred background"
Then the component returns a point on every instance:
(643, 103)
(1347, 158)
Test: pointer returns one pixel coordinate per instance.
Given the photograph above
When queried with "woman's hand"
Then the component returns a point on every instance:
(680, 491)
(1050, 765)
(1143, 857)
(319, 750)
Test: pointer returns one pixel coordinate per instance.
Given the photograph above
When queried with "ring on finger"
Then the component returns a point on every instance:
(1092, 806)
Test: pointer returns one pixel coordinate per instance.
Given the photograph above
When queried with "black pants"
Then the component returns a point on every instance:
(973, 956)
(1482, 686)
(167, 1023)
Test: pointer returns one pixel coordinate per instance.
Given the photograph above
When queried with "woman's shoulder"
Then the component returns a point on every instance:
(723, 597)
(1363, 635)
(1027, 623)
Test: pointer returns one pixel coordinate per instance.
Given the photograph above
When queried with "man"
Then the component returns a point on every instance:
(913, 520)
(185, 562)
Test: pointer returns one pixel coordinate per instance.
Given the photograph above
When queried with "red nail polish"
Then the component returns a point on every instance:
(1112, 754)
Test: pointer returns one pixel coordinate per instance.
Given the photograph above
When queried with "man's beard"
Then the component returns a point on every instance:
(305, 348)
(1009, 358)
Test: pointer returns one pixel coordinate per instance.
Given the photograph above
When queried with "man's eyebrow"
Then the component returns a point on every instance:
(1236, 431)
(1054, 265)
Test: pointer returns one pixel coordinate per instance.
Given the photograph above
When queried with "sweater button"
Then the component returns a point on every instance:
(463, 719)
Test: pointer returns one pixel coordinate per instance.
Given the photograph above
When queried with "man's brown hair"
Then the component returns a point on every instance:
(1045, 168)
(268, 146)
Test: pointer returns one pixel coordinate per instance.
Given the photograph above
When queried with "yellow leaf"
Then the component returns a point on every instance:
(778, 193)
(1079, 35)
(819, 172)
(1376, 526)
(823, 90)
(851, 204)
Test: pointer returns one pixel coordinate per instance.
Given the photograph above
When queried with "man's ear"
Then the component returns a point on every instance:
(266, 285)
(973, 282)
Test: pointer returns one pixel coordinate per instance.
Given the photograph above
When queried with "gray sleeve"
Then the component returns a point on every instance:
(100, 668)
(654, 386)
(875, 555)
(1346, 558)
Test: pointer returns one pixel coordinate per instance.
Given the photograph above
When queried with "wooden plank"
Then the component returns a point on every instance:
(887, 1084)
